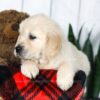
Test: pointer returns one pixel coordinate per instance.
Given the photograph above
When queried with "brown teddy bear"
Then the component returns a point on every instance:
(9, 25)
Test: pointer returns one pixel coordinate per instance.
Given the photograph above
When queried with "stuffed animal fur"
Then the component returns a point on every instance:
(9, 25)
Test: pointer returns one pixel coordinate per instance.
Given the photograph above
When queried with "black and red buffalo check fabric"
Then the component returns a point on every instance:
(15, 86)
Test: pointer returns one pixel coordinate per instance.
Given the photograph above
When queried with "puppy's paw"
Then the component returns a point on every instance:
(29, 70)
(65, 78)
(64, 83)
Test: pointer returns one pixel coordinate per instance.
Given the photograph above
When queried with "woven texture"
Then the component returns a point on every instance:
(15, 86)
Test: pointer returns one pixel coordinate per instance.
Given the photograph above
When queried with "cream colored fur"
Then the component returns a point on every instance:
(50, 50)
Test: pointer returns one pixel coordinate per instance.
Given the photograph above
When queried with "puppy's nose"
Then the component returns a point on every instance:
(18, 49)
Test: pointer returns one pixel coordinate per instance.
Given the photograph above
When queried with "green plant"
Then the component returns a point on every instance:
(96, 78)
(93, 82)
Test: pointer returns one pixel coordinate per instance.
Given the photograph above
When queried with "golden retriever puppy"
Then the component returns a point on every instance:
(42, 45)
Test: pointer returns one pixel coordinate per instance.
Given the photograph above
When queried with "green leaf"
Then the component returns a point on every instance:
(71, 36)
(78, 39)
(88, 50)
(96, 81)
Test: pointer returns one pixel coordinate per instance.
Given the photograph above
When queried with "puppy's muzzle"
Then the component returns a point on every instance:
(19, 49)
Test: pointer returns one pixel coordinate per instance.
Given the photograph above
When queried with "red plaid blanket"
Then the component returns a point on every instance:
(15, 86)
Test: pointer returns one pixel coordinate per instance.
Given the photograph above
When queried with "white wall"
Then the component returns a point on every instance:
(36, 6)
(89, 14)
(10, 4)
(76, 12)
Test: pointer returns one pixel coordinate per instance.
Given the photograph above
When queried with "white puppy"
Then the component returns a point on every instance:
(42, 45)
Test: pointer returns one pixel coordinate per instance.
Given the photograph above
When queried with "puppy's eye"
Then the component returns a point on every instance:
(31, 37)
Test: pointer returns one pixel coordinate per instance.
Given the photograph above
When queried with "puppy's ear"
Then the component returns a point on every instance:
(53, 45)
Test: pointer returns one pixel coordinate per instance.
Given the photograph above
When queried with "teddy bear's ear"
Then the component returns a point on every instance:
(15, 27)
(11, 31)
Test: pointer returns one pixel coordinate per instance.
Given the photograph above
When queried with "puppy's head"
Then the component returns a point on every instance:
(39, 39)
